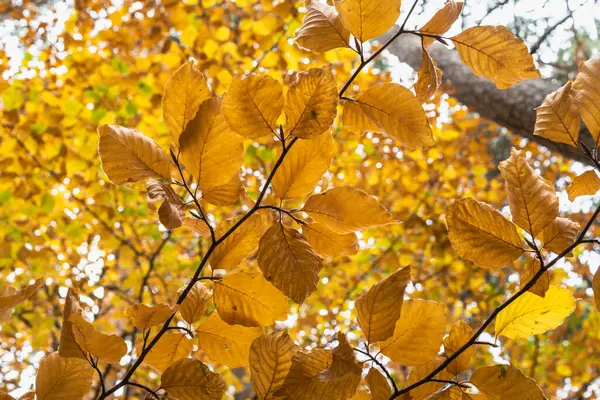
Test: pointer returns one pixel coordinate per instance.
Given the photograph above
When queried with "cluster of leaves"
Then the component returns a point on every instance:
(291, 229)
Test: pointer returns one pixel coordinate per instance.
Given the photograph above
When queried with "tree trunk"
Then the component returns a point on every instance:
(513, 108)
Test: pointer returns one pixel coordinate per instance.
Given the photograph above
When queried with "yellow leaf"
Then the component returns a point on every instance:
(441, 21)
(310, 104)
(559, 235)
(498, 382)
(270, 361)
(303, 167)
(355, 120)
(421, 371)
(237, 246)
(185, 90)
(6, 396)
(367, 19)
(189, 379)
(317, 375)
(429, 78)
(378, 385)
(531, 315)
(586, 90)
(459, 335)
(379, 308)
(144, 317)
(456, 393)
(252, 105)
(532, 199)
(346, 209)
(198, 226)
(210, 150)
(529, 270)
(196, 303)
(14, 298)
(110, 348)
(128, 156)
(172, 211)
(248, 299)
(586, 184)
(396, 111)
(171, 347)
(481, 234)
(596, 288)
(557, 118)
(329, 243)
(61, 378)
(288, 262)
(225, 194)
(322, 29)
(226, 344)
(68, 347)
(493, 52)
(418, 333)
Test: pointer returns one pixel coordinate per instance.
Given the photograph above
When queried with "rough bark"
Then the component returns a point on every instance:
(513, 108)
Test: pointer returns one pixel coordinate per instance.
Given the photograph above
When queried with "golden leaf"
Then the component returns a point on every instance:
(270, 361)
(144, 317)
(172, 211)
(441, 21)
(237, 246)
(586, 90)
(226, 344)
(171, 347)
(596, 288)
(379, 308)
(198, 226)
(5, 396)
(225, 194)
(185, 90)
(378, 385)
(346, 209)
(210, 150)
(586, 184)
(459, 335)
(11, 298)
(455, 393)
(559, 235)
(557, 119)
(110, 348)
(252, 105)
(429, 78)
(421, 371)
(418, 333)
(355, 120)
(68, 347)
(529, 270)
(189, 379)
(310, 104)
(322, 29)
(316, 375)
(532, 199)
(481, 234)
(196, 303)
(303, 167)
(498, 382)
(329, 243)
(367, 19)
(288, 262)
(493, 52)
(61, 378)
(128, 156)
(248, 299)
(531, 314)
(396, 111)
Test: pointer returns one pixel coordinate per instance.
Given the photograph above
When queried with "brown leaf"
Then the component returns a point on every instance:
(441, 21)
(68, 347)
(429, 78)
(322, 29)
(586, 90)
(559, 235)
(505, 382)
(189, 379)
(529, 270)
(557, 119)
(586, 184)
(172, 211)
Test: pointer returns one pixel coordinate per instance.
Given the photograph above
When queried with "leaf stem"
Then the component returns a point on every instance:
(380, 365)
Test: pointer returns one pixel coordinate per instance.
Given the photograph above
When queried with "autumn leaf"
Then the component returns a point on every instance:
(396, 111)
(185, 90)
(557, 119)
(367, 19)
(458, 337)
(494, 53)
(559, 235)
(270, 361)
(586, 90)
(110, 348)
(531, 315)
(252, 105)
(346, 209)
(225, 194)
(144, 317)
(198, 226)
(61, 378)
(172, 211)
(226, 344)
(378, 385)
(239, 245)
(288, 262)
(427, 389)
(11, 298)
(310, 103)
(128, 156)
(505, 382)
(322, 29)
(68, 346)
(586, 184)
(596, 288)
(481, 234)
(196, 303)
(429, 78)
(528, 271)
(329, 243)
(532, 199)
(441, 21)
(355, 120)
(418, 333)
(379, 308)
(171, 347)
(189, 379)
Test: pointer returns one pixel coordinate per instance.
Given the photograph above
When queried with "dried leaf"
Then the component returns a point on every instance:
(367, 19)
(441, 21)
(61, 378)
(329, 243)
(198, 226)
(505, 382)
(429, 78)
(172, 211)
(322, 29)
(586, 184)
(110, 348)
(529, 270)
(16, 297)
(68, 347)
(557, 119)
(239, 245)
(196, 303)
(459, 335)
(189, 379)
(171, 347)
(586, 90)
(378, 385)
(226, 194)
(144, 317)
(596, 288)
(559, 235)
(421, 371)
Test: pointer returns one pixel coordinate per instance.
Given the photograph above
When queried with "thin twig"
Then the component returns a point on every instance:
(380, 365)
(146, 388)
